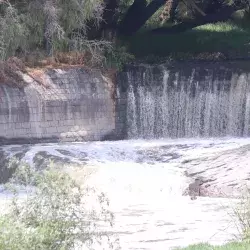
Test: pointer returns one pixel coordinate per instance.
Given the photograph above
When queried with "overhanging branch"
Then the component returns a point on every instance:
(137, 15)
(222, 15)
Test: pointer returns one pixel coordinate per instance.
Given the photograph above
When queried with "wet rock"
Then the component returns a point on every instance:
(158, 154)
(224, 173)
(19, 149)
(81, 157)
(65, 152)
(9, 164)
(43, 159)
(194, 189)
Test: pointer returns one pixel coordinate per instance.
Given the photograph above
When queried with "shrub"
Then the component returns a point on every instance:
(118, 57)
(53, 215)
(242, 213)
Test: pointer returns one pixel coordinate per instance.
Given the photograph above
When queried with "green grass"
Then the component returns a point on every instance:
(225, 37)
(230, 246)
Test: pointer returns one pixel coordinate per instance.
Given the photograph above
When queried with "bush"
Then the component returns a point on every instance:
(53, 215)
(118, 57)
(242, 213)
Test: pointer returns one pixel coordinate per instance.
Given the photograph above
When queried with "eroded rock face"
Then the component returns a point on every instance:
(225, 174)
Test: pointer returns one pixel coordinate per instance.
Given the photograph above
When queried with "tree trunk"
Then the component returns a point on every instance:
(47, 39)
(51, 21)
(213, 6)
(107, 27)
(169, 11)
(110, 17)
(137, 15)
(173, 10)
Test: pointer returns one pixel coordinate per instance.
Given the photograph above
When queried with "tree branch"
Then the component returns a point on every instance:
(222, 15)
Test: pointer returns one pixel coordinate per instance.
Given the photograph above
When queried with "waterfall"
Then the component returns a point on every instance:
(175, 103)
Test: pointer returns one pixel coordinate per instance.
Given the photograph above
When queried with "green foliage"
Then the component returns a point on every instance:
(12, 31)
(242, 213)
(118, 57)
(229, 246)
(64, 26)
(26, 25)
(241, 218)
(53, 216)
(225, 37)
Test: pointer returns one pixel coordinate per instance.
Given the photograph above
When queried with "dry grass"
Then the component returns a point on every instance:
(38, 59)
(11, 72)
(35, 65)
(38, 75)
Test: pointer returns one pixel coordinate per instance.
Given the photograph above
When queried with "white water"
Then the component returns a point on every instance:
(145, 180)
(146, 195)
(173, 104)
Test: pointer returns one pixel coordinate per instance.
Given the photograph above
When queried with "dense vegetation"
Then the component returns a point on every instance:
(53, 214)
(113, 31)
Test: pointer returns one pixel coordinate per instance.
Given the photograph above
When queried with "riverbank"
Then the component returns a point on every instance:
(229, 246)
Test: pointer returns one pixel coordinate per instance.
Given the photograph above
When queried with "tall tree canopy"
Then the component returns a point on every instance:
(79, 24)
(199, 12)
(50, 23)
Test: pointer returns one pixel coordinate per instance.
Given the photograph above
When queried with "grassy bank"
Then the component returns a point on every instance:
(230, 246)
(231, 39)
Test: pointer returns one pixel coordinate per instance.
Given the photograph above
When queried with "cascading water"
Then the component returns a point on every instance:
(145, 181)
(148, 182)
(167, 103)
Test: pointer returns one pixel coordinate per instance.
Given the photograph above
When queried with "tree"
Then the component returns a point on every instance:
(212, 11)
(137, 15)
(215, 11)
(169, 11)
(47, 23)
(87, 25)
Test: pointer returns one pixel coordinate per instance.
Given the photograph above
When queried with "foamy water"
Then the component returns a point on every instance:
(144, 181)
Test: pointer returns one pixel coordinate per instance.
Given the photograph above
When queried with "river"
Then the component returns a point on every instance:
(145, 181)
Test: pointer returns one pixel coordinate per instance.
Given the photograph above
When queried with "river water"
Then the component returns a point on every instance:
(145, 181)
